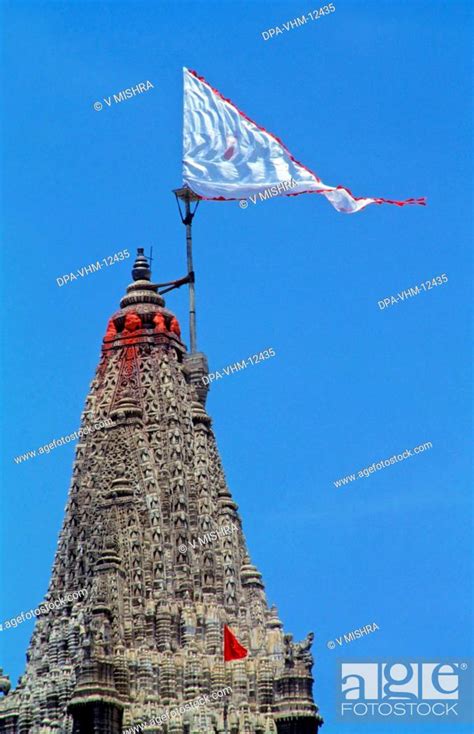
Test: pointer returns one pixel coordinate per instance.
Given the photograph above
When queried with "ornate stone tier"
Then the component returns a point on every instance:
(131, 325)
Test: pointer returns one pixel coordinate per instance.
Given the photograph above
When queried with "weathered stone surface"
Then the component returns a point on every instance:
(148, 635)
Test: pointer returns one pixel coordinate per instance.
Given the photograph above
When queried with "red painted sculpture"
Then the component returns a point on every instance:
(160, 323)
(111, 331)
(132, 322)
(174, 327)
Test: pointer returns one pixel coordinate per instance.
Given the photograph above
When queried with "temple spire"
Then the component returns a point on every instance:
(153, 564)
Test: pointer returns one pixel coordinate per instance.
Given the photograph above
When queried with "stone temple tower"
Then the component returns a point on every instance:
(154, 540)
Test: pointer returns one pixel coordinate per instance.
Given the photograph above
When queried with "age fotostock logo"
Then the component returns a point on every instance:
(408, 691)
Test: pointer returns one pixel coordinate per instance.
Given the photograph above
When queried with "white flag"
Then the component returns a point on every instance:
(227, 156)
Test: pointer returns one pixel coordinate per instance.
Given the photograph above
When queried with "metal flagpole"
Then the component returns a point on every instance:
(188, 196)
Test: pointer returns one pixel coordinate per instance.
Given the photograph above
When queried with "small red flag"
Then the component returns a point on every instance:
(233, 650)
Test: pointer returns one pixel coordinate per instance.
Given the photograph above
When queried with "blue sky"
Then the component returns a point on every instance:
(372, 96)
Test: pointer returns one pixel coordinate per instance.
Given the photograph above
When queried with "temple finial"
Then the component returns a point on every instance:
(142, 290)
(141, 267)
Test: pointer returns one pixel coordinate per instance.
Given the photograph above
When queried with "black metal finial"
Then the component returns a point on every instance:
(141, 267)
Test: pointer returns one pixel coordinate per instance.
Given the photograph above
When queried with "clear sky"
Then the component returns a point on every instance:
(372, 96)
